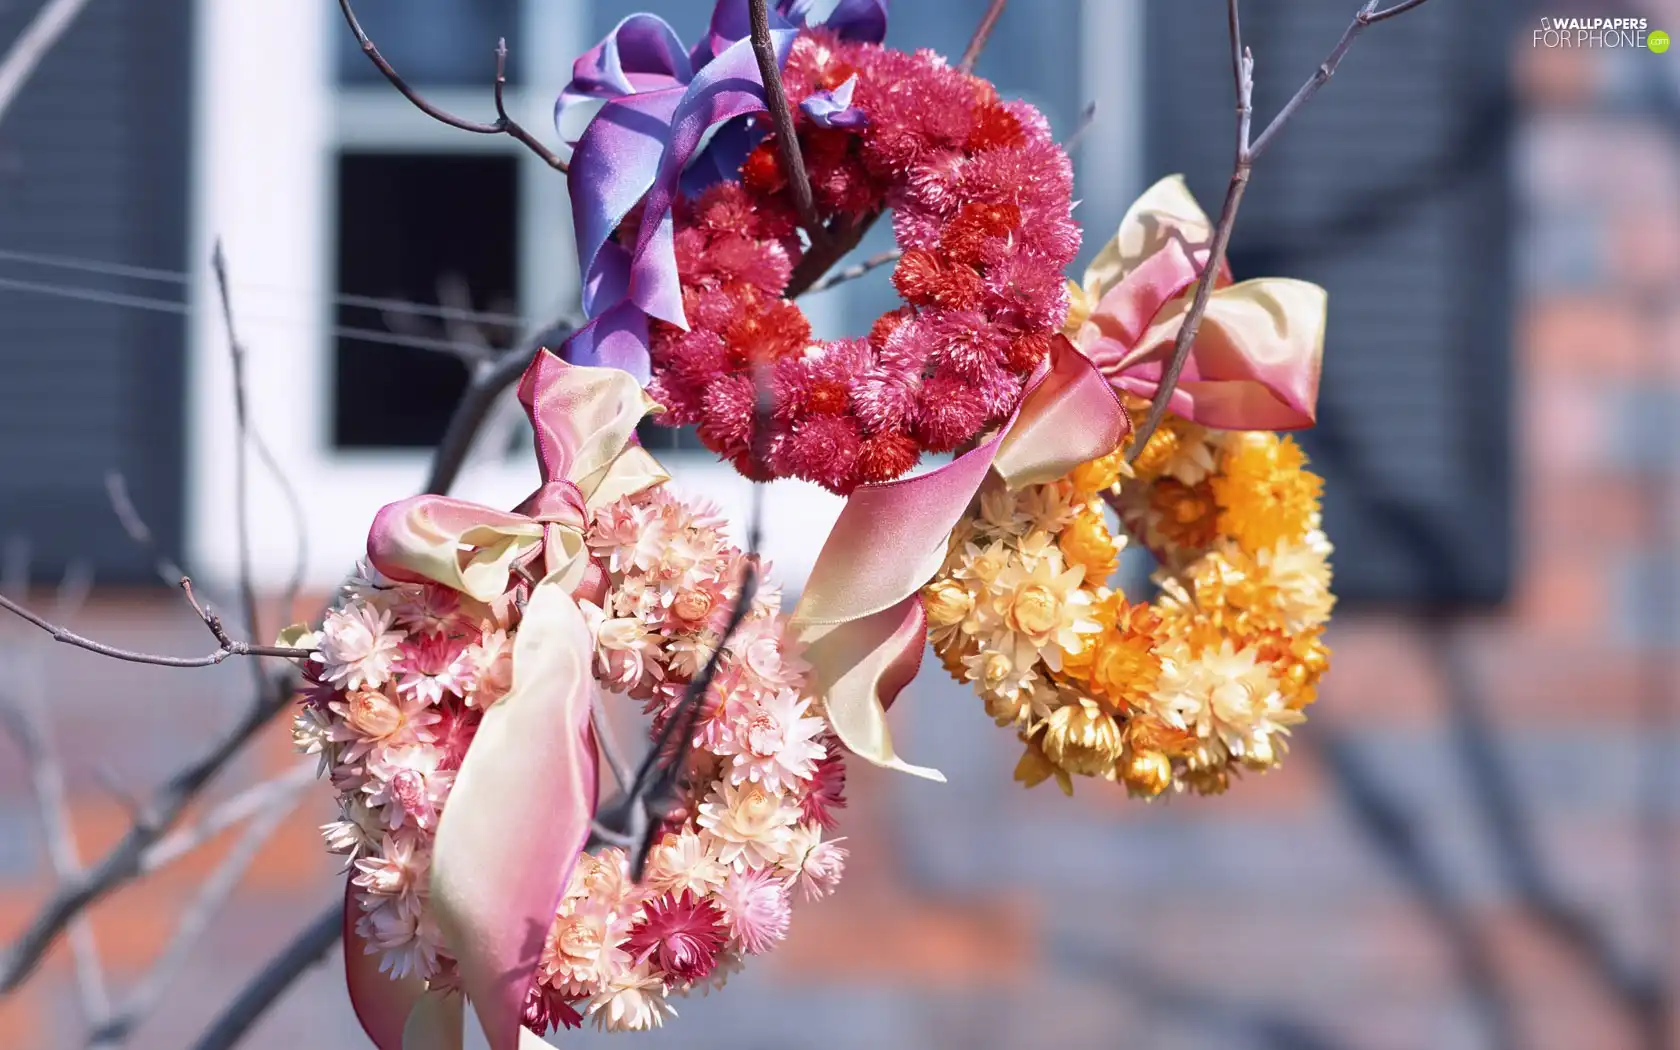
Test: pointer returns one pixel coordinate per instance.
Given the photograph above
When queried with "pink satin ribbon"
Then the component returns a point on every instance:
(518, 814)
(1256, 359)
(860, 615)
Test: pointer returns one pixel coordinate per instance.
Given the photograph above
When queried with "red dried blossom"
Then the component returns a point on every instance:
(828, 788)
(981, 199)
(680, 935)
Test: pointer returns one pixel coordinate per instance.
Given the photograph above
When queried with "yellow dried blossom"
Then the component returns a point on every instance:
(1086, 541)
(1212, 780)
(947, 603)
(1034, 769)
(1185, 516)
(1162, 447)
(1264, 492)
(1148, 733)
(1146, 773)
(1083, 739)
(1182, 693)
(1099, 475)
(1123, 667)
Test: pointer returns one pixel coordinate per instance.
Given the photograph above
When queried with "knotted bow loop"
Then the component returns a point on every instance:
(518, 813)
(860, 615)
(1255, 362)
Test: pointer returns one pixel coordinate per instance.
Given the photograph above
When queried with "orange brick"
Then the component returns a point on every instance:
(1591, 336)
(1561, 78)
(1557, 594)
(895, 938)
(1379, 675)
(1584, 513)
(135, 923)
(22, 1021)
(1645, 243)
(294, 856)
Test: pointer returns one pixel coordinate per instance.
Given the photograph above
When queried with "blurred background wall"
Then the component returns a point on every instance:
(1473, 843)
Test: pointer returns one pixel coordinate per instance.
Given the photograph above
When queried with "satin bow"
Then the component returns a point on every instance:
(1254, 364)
(860, 615)
(518, 814)
(669, 119)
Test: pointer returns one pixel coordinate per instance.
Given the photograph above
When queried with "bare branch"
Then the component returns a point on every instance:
(486, 385)
(241, 486)
(39, 37)
(608, 744)
(1371, 16)
(632, 819)
(212, 898)
(1393, 832)
(1242, 72)
(307, 949)
(222, 652)
(502, 125)
(26, 721)
(982, 33)
(856, 270)
(116, 489)
(1638, 989)
(236, 810)
(781, 117)
(1087, 117)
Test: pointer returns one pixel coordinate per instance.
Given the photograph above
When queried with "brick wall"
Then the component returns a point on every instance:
(976, 915)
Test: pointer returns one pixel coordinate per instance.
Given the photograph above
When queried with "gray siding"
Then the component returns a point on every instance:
(94, 164)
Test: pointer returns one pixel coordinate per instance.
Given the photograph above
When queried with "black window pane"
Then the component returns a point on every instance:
(410, 228)
(448, 43)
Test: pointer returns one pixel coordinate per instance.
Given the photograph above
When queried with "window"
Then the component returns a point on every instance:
(411, 227)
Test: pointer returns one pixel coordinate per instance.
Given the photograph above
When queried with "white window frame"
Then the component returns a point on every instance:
(269, 123)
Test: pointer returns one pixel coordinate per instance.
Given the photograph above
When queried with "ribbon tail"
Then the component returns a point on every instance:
(518, 815)
(879, 655)
(437, 1022)
(382, 1004)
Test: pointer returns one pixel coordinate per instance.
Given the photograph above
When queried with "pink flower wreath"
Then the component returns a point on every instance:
(449, 702)
(981, 199)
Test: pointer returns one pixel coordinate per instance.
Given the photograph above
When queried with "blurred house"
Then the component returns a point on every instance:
(1499, 229)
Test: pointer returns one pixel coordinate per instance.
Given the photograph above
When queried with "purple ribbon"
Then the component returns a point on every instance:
(659, 103)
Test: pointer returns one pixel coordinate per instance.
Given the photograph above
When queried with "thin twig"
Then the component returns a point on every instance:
(1087, 118)
(242, 430)
(212, 897)
(608, 744)
(1247, 152)
(632, 819)
(1497, 800)
(856, 270)
(781, 117)
(123, 862)
(502, 125)
(235, 810)
(232, 647)
(306, 950)
(486, 385)
(982, 33)
(122, 504)
(1394, 834)
(40, 36)
(26, 721)
(153, 819)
